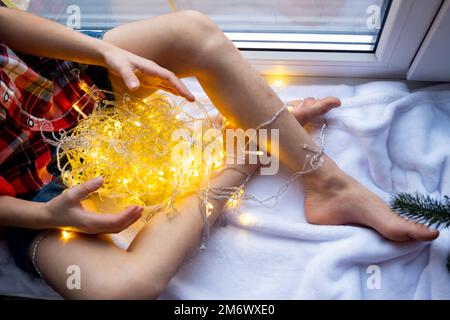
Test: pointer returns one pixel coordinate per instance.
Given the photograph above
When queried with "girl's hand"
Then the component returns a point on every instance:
(138, 72)
(65, 211)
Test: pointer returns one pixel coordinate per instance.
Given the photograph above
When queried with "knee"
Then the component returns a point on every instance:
(200, 33)
(196, 22)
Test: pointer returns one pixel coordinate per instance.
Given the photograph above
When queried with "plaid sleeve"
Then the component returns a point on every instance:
(6, 188)
(36, 94)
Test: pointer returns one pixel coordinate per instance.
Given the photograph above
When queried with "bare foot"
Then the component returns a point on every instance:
(342, 200)
(334, 198)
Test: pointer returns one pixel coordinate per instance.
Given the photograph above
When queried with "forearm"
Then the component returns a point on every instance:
(21, 213)
(30, 34)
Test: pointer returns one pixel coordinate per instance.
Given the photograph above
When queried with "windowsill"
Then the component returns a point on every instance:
(329, 81)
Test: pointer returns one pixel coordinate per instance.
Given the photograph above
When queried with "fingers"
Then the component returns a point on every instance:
(129, 77)
(110, 223)
(170, 82)
(173, 81)
(168, 88)
(82, 191)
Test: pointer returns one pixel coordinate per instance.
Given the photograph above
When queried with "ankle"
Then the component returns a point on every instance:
(327, 178)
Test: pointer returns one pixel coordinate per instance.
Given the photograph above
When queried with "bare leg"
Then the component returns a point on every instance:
(189, 44)
(154, 256)
(152, 259)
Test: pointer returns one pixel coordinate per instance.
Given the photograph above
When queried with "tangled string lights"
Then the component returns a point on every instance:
(132, 144)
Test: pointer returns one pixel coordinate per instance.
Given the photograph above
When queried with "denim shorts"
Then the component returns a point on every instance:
(20, 240)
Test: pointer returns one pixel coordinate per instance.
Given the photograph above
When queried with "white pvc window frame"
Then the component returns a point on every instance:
(303, 41)
(405, 28)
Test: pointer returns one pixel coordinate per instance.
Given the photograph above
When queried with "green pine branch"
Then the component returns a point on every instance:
(423, 208)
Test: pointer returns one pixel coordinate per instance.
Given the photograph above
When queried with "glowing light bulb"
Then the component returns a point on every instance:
(77, 109)
(278, 85)
(66, 235)
(84, 86)
(209, 209)
(246, 220)
(232, 203)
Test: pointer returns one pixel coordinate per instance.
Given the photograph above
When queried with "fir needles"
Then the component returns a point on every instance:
(423, 208)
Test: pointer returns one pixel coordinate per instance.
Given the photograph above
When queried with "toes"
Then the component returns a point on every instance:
(395, 232)
(324, 105)
(308, 102)
(332, 102)
(400, 229)
(310, 107)
(421, 232)
(303, 109)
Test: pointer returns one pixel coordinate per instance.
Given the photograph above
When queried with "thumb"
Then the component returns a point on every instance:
(129, 77)
(82, 191)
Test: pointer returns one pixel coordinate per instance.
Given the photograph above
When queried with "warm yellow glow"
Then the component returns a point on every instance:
(232, 203)
(172, 5)
(225, 122)
(246, 220)
(130, 145)
(209, 209)
(278, 83)
(235, 199)
(66, 235)
(84, 86)
(290, 108)
(77, 109)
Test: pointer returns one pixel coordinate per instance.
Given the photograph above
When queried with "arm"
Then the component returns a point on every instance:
(65, 211)
(21, 213)
(30, 34)
(33, 35)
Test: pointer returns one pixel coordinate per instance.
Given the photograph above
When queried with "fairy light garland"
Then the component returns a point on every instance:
(129, 143)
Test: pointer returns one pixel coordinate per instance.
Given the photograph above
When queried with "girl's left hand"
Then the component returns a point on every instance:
(138, 72)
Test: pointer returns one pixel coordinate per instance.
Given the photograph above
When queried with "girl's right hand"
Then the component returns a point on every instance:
(65, 211)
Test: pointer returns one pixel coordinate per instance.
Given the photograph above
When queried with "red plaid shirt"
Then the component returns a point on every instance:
(36, 94)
